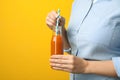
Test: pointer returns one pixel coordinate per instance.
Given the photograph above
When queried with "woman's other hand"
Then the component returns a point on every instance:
(68, 63)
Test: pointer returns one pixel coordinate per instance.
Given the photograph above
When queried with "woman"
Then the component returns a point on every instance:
(93, 39)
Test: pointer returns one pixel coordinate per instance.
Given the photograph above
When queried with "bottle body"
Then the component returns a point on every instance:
(57, 42)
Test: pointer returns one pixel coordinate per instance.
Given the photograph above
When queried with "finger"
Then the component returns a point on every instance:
(62, 65)
(50, 20)
(60, 61)
(53, 15)
(61, 69)
(49, 24)
(59, 57)
(65, 66)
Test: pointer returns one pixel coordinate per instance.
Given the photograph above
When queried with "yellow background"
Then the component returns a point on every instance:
(25, 39)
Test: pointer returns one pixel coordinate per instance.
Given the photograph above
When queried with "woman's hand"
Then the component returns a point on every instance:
(51, 20)
(74, 64)
(68, 63)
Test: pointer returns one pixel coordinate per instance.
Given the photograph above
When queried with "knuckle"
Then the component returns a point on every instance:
(72, 67)
(71, 57)
(71, 62)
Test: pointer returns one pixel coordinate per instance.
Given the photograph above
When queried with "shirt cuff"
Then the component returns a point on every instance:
(116, 62)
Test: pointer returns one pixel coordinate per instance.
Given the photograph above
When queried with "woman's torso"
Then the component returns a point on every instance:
(93, 32)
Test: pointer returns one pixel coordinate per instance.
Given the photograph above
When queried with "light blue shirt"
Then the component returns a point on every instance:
(94, 34)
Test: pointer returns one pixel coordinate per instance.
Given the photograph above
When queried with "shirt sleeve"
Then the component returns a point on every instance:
(116, 62)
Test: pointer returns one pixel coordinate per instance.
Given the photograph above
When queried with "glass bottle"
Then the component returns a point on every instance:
(56, 41)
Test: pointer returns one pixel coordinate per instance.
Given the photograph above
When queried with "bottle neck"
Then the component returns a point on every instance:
(57, 30)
